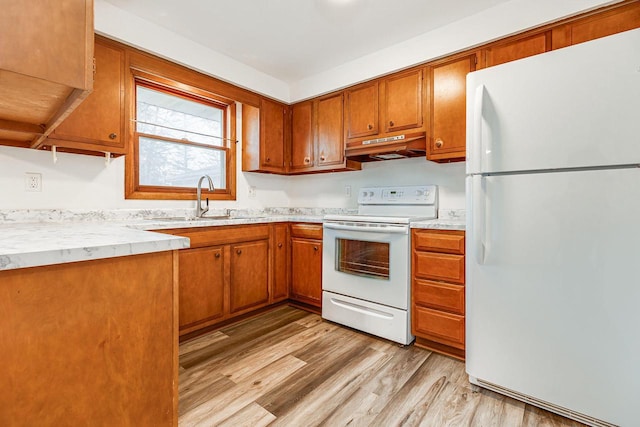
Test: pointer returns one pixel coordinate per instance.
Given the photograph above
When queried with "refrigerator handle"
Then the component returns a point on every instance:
(477, 128)
(479, 200)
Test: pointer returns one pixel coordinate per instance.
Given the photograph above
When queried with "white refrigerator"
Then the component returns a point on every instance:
(553, 230)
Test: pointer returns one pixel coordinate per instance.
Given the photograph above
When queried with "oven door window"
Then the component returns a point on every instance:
(361, 258)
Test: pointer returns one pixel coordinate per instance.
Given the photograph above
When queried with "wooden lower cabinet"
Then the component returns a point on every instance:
(306, 264)
(91, 343)
(437, 294)
(225, 273)
(280, 250)
(201, 289)
(249, 275)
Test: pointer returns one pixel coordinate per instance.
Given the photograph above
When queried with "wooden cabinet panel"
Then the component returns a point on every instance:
(330, 134)
(272, 124)
(447, 140)
(451, 242)
(361, 110)
(402, 101)
(202, 285)
(91, 343)
(439, 295)
(302, 145)
(280, 288)
(306, 271)
(516, 49)
(98, 124)
(436, 266)
(46, 66)
(249, 275)
(616, 20)
(307, 231)
(439, 326)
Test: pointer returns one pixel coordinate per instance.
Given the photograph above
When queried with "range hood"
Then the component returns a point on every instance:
(387, 148)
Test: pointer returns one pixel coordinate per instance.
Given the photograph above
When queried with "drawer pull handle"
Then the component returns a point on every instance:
(391, 123)
(239, 251)
(439, 143)
(113, 136)
(369, 126)
(217, 255)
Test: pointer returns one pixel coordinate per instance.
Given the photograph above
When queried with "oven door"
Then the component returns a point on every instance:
(367, 261)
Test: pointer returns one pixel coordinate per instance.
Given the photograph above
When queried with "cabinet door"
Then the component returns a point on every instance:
(617, 20)
(330, 131)
(361, 110)
(201, 290)
(302, 136)
(249, 275)
(98, 123)
(516, 49)
(306, 271)
(447, 140)
(272, 118)
(402, 101)
(280, 288)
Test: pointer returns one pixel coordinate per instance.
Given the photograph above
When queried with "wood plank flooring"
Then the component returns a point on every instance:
(288, 367)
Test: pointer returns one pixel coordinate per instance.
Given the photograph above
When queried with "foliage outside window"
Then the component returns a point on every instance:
(179, 136)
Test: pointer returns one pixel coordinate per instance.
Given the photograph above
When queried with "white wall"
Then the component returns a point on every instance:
(85, 182)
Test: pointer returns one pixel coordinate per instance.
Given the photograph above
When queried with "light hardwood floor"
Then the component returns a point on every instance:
(290, 368)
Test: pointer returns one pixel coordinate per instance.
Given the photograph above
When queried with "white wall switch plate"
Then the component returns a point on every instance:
(252, 192)
(347, 191)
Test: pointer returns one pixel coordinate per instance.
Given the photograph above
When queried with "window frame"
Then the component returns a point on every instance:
(133, 189)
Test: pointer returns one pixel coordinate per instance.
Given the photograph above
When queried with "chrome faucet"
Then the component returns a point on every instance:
(199, 209)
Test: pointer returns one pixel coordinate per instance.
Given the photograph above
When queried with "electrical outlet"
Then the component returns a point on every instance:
(252, 192)
(347, 191)
(33, 182)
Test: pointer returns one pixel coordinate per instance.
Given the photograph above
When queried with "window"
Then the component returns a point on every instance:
(180, 133)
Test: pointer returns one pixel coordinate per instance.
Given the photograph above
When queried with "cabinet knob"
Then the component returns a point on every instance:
(315, 248)
(268, 159)
(307, 160)
(279, 245)
(323, 158)
(113, 135)
(439, 143)
(369, 126)
(390, 122)
(217, 255)
(239, 251)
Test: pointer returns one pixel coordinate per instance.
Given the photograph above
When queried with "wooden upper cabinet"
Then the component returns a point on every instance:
(330, 131)
(512, 50)
(402, 99)
(264, 136)
(361, 110)
(302, 145)
(46, 66)
(317, 136)
(272, 119)
(447, 106)
(601, 24)
(98, 123)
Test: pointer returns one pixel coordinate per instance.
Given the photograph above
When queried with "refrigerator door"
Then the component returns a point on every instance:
(573, 107)
(553, 288)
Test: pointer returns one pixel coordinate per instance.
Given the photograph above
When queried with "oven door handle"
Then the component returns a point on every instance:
(386, 228)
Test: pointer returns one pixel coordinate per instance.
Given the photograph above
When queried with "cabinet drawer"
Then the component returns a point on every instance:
(451, 242)
(436, 266)
(445, 328)
(439, 295)
(307, 231)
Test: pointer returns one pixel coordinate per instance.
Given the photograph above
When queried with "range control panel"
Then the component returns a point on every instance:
(409, 195)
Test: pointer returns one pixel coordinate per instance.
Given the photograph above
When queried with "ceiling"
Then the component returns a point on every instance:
(294, 39)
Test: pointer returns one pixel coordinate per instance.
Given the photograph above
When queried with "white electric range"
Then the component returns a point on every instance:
(366, 273)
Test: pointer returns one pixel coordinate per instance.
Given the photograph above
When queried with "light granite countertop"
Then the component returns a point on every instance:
(31, 238)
